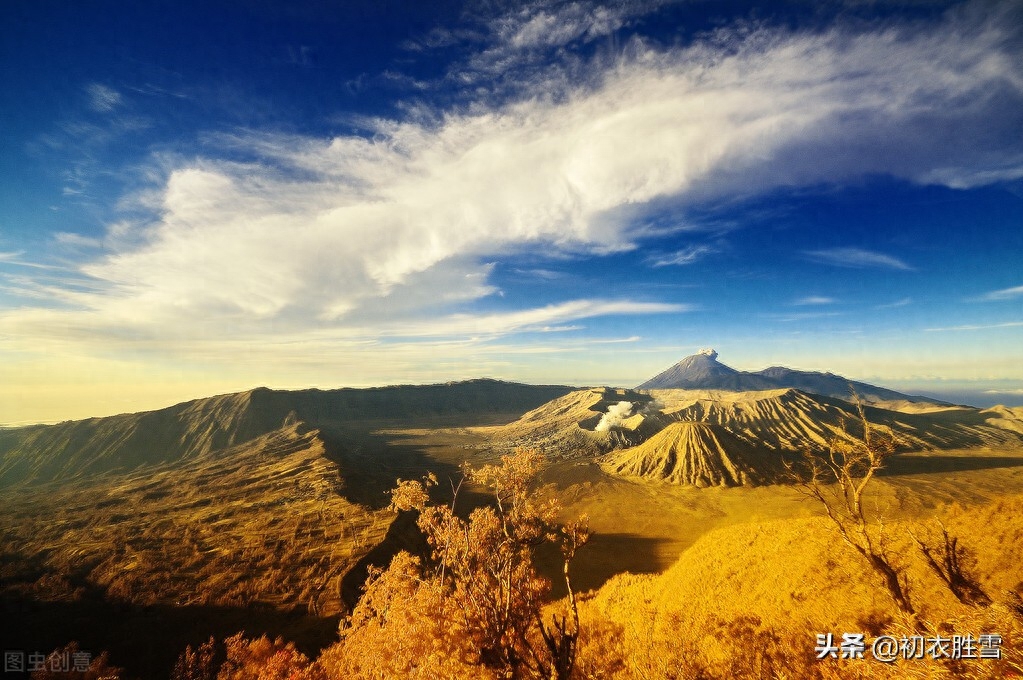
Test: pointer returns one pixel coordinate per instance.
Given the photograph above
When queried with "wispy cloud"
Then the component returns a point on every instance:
(17, 258)
(615, 341)
(72, 239)
(102, 98)
(814, 300)
(543, 319)
(1003, 294)
(685, 256)
(540, 273)
(976, 327)
(898, 303)
(857, 258)
(540, 26)
(801, 316)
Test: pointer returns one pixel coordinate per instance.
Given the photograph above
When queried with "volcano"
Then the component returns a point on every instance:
(703, 371)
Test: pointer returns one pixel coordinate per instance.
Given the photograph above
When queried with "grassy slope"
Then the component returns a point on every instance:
(795, 577)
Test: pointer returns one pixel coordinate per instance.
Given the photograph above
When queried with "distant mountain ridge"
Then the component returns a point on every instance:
(42, 453)
(702, 371)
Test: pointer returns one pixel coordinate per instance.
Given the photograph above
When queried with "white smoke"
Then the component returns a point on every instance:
(708, 352)
(652, 407)
(616, 413)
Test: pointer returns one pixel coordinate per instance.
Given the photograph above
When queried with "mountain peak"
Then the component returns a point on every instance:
(702, 371)
(693, 372)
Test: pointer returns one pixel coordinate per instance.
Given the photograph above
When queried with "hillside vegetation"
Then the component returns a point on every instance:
(744, 602)
(748, 601)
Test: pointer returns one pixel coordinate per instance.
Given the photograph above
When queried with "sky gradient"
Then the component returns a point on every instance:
(198, 198)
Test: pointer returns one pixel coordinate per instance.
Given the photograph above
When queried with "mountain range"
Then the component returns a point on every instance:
(702, 371)
(699, 422)
(249, 499)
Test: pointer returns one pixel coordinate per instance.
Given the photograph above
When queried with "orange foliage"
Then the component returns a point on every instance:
(475, 610)
(60, 664)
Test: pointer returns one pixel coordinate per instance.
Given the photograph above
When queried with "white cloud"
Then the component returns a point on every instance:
(685, 256)
(68, 238)
(553, 26)
(343, 233)
(898, 303)
(1003, 294)
(537, 319)
(814, 300)
(103, 99)
(857, 258)
(976, 327)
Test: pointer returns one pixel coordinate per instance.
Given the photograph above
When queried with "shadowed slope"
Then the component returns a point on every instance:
(43, 453)
(704, 371)
(258, 523)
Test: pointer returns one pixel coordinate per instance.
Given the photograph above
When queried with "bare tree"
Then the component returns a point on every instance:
(561, 638)
(838, 480)
(952, 562)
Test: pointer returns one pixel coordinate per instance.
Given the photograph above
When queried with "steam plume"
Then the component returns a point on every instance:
(616, 413)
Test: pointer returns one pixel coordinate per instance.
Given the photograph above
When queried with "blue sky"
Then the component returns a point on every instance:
(205, 197)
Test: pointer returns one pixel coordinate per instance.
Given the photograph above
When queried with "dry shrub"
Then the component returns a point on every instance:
(240, 658)
(400, 629)
(475, 609)
(263, 659)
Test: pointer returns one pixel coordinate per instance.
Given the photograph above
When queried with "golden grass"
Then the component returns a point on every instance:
(778, 583)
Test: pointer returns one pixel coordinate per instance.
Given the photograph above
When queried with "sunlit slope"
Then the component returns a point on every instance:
(1005, 418)
(97, 445)
(260, 522)
(799, 572)
(718, 437)
(793, 420)
(695, 454)
(121, 443)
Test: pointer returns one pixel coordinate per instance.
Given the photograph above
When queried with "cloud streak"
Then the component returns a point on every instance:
(1003, 294)
(814, 300)
(858, 258)
(976, 327)
(683, 257)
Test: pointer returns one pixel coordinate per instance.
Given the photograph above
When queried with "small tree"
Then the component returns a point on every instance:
(475, 609)
(838, 480)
